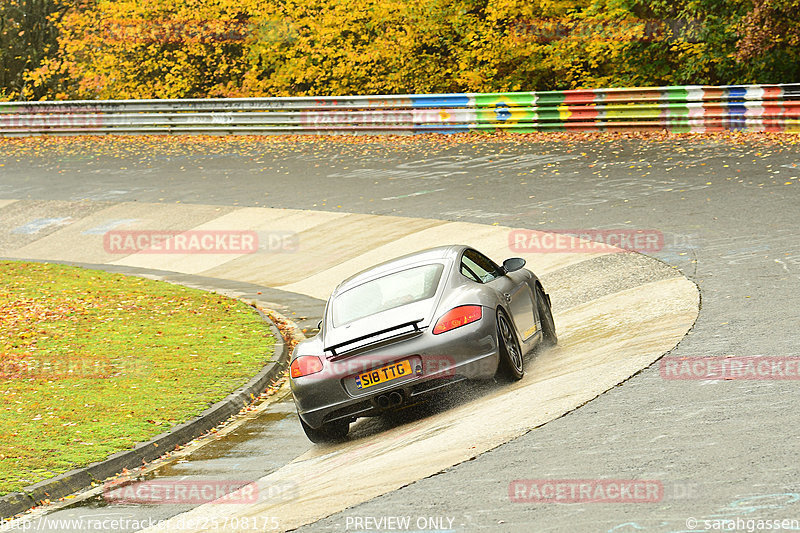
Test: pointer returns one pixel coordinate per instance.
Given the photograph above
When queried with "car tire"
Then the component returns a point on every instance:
(511, 363)
(331, 432)
(549, 337)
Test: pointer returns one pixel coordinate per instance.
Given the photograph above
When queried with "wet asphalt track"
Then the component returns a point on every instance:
(722, 449)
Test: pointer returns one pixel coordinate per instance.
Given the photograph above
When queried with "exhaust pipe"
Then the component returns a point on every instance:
(383, 401)
(395, 398)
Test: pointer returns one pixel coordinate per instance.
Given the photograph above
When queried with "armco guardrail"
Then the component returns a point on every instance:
(675, 109)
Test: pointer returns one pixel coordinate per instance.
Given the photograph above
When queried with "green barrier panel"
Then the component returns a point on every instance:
(508, 99)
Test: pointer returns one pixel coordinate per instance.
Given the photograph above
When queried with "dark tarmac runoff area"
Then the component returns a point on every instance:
(266, 442)
(728, 209)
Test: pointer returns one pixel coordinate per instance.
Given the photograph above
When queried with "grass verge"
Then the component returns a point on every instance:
(92, 363)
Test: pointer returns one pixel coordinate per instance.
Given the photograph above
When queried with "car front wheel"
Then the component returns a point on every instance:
(549, 336)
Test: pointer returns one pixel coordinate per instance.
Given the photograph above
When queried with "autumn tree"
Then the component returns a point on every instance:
(770, 39)
(28, 35)
(227, 48)
(155, 49)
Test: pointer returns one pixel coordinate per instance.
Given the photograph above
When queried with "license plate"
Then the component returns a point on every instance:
(383, 374)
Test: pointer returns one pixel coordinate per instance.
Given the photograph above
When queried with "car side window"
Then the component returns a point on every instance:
(468, 272)
(476, 265)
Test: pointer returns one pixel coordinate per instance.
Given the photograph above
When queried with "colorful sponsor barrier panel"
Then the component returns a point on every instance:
(689, 108)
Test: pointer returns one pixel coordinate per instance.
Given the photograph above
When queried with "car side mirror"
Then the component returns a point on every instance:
(512, 264)
(319, 324)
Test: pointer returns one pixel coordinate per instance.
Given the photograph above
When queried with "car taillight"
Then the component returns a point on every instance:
(305, 365)
(457, 317)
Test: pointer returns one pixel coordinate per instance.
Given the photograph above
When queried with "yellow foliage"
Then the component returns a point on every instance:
(236, 48)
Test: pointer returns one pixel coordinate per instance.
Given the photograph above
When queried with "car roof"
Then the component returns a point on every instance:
(430, 255)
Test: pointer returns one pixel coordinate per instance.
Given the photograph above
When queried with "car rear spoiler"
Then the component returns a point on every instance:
(414, 323)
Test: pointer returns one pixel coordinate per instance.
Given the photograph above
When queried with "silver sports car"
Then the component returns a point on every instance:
(413, 325)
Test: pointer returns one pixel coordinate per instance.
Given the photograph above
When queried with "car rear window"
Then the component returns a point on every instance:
(387, 292)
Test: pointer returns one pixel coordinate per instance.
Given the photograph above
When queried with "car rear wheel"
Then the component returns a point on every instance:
(549, 336)
(510, 351)
(331, 432)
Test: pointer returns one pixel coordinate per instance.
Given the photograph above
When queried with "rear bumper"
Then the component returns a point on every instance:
(468, 352)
